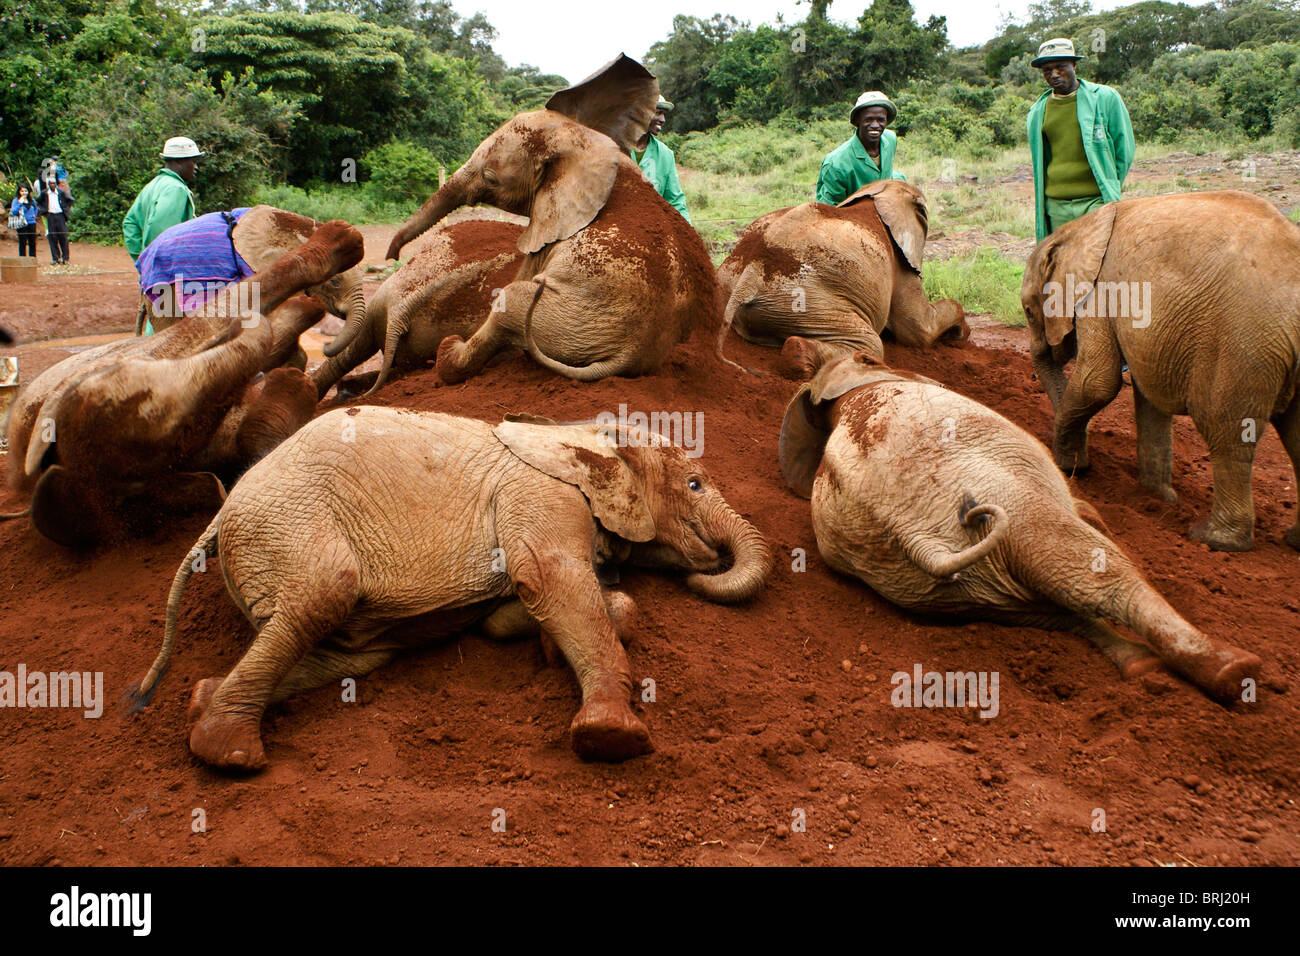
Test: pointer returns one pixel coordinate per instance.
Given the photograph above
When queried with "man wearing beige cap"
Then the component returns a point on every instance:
(659, 164)
(1080, 141)
(166, 200)
(865, 156)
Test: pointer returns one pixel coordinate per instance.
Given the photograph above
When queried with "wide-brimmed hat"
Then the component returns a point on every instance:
(1058, 49)
(180, 147)
(663, 104)
(873, 98)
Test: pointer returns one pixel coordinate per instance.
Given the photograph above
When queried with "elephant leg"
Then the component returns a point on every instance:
(918, 322)
(285, 401)
(513, 620)
(1288, 429)
(459, 359)
(1131, 658)
(560, 591)
(325, 665)
(1155, 447)
(228, 731)
(802, 356)
(1095, 383)
(1231, 524)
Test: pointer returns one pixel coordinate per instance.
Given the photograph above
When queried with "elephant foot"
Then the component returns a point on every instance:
(1072, 462)
(606, 729)
(1222, 672)
(1221, 539)
(448, 363)
(1162, 490)
(201, 698)
(959, 331)
(1293, 536)
(622, 612)
(228, 742)
(799, 360)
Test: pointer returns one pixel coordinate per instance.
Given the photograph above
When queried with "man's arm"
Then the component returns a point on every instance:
(673, 192)
(830, 188)
(131, 231)
(1122, 143)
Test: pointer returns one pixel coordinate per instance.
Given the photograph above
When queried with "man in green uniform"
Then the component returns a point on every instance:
(659, 164)
(865, 156)
(166, 200)
(1080, 140)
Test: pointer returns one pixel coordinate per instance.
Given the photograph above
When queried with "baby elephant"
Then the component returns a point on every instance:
(943, 506)
(373, 529)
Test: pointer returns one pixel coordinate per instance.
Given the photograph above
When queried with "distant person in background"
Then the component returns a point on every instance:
(54, 202)
(865, 156)
(166, 200)
(660, 165)
(1080, 141)
(23, 210)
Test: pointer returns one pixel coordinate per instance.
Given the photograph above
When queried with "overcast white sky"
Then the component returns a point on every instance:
(575, 37)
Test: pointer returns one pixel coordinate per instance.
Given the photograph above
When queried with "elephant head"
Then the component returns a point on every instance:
(555, 165)
(652, 496)
(264, 232)
(901, 207)
(1060, 277)
(809, 419)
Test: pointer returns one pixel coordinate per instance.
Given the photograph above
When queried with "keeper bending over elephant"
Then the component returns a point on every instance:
(115, 437)
(1199, 293)
(612, 277)
(509, 529)
(943, 506)
(190, 262)
(825, 281)
(448, 287)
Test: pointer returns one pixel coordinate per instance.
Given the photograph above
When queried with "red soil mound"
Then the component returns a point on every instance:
(763, 715)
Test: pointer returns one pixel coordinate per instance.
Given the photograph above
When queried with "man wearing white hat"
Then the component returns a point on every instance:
(659, 164)
(865, 156)
(166, 200)
(1080, 140)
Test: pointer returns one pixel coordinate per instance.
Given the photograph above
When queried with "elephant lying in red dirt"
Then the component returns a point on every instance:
(374, 529)
(111, 439)
(825, 281)
(943, 506)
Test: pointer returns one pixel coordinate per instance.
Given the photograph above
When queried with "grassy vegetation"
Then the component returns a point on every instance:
(982, 281)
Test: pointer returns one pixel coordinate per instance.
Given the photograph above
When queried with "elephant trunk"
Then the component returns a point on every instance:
(353, 323)
(751, 559)
(453, 194)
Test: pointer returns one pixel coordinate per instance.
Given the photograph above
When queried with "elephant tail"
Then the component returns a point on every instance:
(742, 293)
(583, 373)
(937, 560)
(137, 696)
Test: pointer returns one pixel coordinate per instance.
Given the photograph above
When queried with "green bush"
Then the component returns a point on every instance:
(401, 171)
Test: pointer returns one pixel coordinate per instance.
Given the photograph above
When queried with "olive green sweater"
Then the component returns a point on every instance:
(1068, 173)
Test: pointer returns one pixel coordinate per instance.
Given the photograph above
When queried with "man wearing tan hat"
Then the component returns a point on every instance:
(659, 164)
(1080, 140)
(865, 156)
(166, 200)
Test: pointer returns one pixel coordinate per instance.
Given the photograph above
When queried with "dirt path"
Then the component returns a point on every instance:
(764, 715)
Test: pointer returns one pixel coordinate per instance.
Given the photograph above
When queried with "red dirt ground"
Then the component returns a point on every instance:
(761, 711)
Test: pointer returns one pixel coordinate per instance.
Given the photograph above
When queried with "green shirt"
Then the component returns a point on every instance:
(163, 203)
(660, 167)
(849, 167)
(1068, 175)
(1108, 144)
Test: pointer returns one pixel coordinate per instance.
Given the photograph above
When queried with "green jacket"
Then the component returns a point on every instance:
(848, 167)
(163, 203)
(1107, 142)
(660, 167)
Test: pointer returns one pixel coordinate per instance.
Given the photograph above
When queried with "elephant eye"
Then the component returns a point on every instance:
(489, 177)
(695, 484)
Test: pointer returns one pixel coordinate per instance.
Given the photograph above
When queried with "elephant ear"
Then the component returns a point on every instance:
(578, 175)
(903, 211)
(618, 100)
(803, 439)
(1066, 265)
(585, 456)
(264, 233)
(853, 371)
